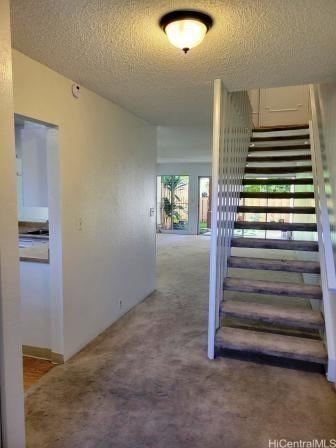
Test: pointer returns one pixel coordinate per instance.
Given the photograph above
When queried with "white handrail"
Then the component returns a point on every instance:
(326, 256)
(232, 123)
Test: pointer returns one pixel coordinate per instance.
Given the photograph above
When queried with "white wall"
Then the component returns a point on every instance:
(12, 412)
(32, 180)
(326, 119)
(327, 109)
(280, 105)
(194, 171)
(31, 172)
(254, 96)
(184, 144)
(107, 168)
(35, 304)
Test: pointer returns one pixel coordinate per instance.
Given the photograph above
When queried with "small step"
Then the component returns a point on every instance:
(304, 136)
(268, 148)
(277, 169)
(262, 159)
(290, 127)
(257, 342)
(262, 243)
(270, 209)
(283, 226)
(277, 181)
(269, 264)
(284, 195)
(286, 289)
(274, 315)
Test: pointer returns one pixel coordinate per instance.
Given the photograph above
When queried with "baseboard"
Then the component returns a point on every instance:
(331, 374)
(42, 353)
(57, 358)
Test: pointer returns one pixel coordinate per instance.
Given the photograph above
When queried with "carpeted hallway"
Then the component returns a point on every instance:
(146, 382)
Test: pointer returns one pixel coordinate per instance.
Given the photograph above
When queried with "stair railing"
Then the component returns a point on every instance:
(232, 125)
(324, 228)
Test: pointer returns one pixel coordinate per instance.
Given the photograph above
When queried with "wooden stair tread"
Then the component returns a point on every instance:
(277, 169)
(289, 127)
(300, 317)
(271, 209)
(283, 226)
(257, 342)
(304, 136)
(275, 147)
(278, 181)
(270, 264)
(262, 243)
(298, 158)
(301, 290)
(283, 195)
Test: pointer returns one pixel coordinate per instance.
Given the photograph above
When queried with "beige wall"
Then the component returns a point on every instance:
(107, 169)
(12, 417)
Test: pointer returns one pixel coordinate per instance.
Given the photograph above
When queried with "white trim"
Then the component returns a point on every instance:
(214, 230)
(55, 241)
(232, 124)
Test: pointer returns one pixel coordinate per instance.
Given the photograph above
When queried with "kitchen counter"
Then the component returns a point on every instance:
(34, 250)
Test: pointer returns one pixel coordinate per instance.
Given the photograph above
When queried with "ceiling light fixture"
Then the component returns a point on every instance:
(185, 29)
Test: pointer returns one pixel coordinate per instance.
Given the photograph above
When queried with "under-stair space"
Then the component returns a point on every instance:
(271, 309)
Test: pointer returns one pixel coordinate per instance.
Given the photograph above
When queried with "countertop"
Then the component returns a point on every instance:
(38, 253)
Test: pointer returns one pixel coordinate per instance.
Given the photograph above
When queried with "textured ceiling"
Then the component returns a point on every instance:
(117, 49)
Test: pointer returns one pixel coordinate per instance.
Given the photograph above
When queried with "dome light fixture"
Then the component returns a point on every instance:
(186, 29)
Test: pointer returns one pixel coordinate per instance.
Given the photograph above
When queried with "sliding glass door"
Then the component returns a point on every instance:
(172, 203)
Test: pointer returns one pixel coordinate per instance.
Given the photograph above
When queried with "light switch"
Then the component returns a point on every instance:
(151, 211)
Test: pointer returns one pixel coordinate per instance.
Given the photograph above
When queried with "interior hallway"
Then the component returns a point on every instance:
(146, 382)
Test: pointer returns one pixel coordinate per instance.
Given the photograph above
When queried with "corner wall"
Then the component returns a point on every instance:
(107, 169)
(12, 409)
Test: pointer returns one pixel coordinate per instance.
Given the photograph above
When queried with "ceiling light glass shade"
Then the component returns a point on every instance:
(186, 28)
(186, 33)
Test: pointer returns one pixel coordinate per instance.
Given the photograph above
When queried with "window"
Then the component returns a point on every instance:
(172, 198)
(204, 205)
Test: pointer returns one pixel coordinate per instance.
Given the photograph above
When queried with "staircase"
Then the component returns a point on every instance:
(269, 312)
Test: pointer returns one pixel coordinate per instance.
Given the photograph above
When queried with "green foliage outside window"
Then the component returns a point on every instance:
(173, 184)
(267, 188)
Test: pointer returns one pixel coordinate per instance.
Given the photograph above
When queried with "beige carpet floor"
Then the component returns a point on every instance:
(147, 382)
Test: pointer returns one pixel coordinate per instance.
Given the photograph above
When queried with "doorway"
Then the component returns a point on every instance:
(204, 205)
(172, 204)
(39, 229)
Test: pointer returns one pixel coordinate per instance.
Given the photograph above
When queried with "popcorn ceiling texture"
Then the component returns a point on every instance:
(117, 49)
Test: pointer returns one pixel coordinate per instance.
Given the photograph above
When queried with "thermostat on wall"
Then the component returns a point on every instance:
(75, 90)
